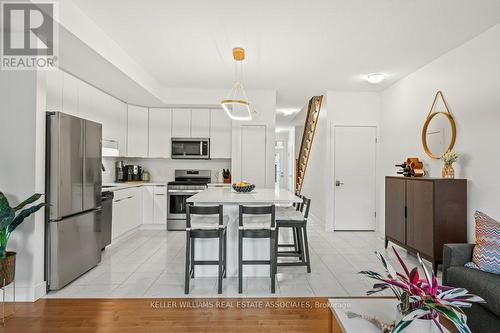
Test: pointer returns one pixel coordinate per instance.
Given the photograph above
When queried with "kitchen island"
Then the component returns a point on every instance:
(207, 249)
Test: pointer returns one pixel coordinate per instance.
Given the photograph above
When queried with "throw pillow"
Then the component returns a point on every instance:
(486, 253)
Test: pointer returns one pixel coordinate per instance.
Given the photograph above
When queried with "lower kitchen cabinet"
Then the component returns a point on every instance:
(127, 211)
(154, 204)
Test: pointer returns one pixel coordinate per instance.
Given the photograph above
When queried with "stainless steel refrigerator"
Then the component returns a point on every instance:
(73, 191)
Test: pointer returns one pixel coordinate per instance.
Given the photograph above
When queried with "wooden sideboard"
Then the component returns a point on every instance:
(423, 214)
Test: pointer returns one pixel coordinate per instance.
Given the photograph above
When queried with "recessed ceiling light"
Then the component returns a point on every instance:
(375, 77)
(288, 111)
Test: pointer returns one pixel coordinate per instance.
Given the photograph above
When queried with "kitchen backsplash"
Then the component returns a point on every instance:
(162, 170)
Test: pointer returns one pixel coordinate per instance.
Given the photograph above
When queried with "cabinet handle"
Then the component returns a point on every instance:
(406, 211)
(159, 193)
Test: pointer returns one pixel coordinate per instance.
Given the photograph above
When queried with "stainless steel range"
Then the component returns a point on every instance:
(187, 183)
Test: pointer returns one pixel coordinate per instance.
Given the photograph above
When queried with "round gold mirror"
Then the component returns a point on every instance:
(438, 134)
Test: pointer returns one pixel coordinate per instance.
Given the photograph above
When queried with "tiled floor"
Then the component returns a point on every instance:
(150, 263)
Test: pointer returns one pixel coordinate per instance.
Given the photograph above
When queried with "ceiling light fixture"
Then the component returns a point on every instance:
(236, 103)
(375, 77)
(288, 111)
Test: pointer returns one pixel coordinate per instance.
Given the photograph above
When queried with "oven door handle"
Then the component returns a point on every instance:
(183, 191)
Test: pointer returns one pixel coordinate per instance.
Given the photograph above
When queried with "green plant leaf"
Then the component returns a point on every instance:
(457, 319)
(6, 212)
(28, 201)
(22, 215)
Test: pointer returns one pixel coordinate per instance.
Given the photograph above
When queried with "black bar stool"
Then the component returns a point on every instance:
(295, 218)
(253, 223)
(205, 222)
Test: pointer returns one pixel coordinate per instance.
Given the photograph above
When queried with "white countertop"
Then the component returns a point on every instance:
(384, 309)
(121, 186)
(226, 195)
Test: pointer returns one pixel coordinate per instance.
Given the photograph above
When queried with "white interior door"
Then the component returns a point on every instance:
(354, 163)
(253, 155)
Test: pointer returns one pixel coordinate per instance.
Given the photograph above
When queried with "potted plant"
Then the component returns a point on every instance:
(422, 300)
(449, 158)
(10, 219)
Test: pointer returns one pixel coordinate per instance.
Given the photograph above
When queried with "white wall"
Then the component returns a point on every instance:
(22, 148)
(469, 77)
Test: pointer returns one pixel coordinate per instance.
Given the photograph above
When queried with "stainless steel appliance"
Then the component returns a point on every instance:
(191, 148)
(133, 173)
(119, 172)
(187, 183)
(107, 217)
(73, 191)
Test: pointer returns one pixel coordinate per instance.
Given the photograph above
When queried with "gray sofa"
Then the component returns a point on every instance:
(481, 318)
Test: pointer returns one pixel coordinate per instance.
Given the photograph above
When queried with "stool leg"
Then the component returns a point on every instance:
(225, 253)
(240, 262)
(219, 277)
(299, 243)
(192, 257)
(301, 240)
(295, 242)
(306, 245)
(272, 261)
(188, 264)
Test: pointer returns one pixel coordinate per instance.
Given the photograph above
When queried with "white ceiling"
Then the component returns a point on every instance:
(299, 48)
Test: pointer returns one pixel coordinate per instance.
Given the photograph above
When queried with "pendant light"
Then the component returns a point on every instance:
(236, 103)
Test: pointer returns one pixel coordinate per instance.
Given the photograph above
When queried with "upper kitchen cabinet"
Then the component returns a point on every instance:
(54, 90)
(160, 132)
(220, 134)
(100, 107)
(181, 123)
(114, 125)
(200, 123)
(137, 134)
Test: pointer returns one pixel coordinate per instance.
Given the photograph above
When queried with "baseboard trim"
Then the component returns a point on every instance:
(153, 227)
(26, 293)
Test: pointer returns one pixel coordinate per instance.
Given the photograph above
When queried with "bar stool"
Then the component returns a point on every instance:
(295, 218)
(205, 222)
(257, 225)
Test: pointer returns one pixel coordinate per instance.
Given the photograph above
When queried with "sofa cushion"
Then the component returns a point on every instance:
(486, 254)
(483, 284)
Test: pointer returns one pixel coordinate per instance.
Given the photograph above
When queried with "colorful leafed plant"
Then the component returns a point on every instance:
(422, 298)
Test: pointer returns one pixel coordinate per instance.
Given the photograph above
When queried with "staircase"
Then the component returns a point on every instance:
(307, 140)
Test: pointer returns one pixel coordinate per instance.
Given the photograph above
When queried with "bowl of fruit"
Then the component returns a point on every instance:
(243, 187)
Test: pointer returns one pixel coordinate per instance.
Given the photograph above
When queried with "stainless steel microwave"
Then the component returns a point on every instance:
(191, 148)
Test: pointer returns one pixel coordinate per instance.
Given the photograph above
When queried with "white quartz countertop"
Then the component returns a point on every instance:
(226, 195)
(121, 186)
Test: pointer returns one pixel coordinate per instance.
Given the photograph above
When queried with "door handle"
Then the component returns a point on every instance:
(338, 183)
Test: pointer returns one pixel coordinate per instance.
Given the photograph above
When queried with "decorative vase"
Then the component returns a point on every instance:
(447, 171)
(7, 268)
(423, 326)
(419, 325)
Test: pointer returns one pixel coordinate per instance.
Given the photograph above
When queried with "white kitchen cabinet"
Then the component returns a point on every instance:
(220, 134)
(200, 123)
(147, 205)
(181, 123)
(127, 211)
(160, 205)
(137, 134)
(70, 95)
(54, 81)
(253, 154)
(160, 132)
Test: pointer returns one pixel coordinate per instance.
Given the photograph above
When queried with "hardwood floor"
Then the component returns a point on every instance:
(270, 315)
